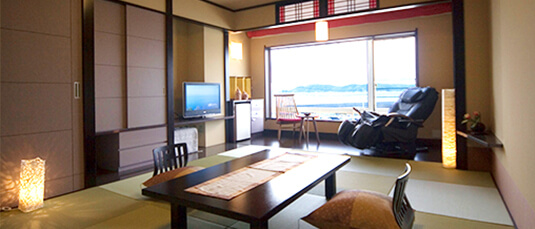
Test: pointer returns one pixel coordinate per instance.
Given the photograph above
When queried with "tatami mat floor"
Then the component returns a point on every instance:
(121, 205)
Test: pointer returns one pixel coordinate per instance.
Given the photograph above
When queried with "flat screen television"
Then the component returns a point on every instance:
(201, 99)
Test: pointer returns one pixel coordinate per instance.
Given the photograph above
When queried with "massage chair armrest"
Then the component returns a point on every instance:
(404, 119)
(371, 112)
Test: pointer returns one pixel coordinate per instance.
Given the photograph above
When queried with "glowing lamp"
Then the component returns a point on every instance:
(322, 31)
(32, 184)
(449, 148)
(236, 50)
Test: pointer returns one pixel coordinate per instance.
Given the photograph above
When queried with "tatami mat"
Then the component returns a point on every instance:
(76, 210)
(215, 219)
(460, 201)
(147, 216)
(432, 171)
(375, 165)
(426, 220)
(130, 187)
(210, 161)
(443, 198)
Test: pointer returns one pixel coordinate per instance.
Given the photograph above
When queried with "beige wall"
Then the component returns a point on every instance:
(40, 117)
(512, 85)
(194, 10)
(254, 18)
(435, 57)
(477, 42)
(240, 67)
(198, 57)
(213, 72)
(204, 12)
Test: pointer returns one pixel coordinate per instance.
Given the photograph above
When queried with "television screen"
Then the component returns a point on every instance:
(201, 99)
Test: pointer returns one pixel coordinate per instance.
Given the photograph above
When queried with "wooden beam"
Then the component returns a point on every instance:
(459, 79)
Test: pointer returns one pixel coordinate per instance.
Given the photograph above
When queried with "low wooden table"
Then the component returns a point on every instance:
(257, 205)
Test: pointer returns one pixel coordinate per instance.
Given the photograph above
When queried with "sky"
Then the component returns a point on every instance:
(343, 63)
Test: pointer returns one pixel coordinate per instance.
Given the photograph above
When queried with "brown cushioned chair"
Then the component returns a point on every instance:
(366, 209)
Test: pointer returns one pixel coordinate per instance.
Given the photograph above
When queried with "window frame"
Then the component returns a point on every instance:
(371, 77)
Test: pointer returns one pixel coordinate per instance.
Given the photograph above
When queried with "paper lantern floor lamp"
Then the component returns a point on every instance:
(32, 184)
(449, 147)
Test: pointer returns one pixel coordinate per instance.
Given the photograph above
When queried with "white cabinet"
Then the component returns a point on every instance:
(242, 114)
(257, 115)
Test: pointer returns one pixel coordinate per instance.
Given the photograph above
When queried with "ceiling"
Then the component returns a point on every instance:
(241, 4)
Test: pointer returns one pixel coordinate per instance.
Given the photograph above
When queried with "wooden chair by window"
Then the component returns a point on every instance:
(167, 160)
(287, 114)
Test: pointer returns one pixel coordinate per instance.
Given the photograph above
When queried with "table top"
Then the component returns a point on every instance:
(307, 116)
(486, 139)
(257, 204)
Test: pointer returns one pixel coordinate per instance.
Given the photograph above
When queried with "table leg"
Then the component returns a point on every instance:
(330, 186)
(259, 225)
(178, 216)
(301, 128)
(316, 129)
(308, 131)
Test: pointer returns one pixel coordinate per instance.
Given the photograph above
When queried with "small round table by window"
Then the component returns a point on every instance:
(304, 129)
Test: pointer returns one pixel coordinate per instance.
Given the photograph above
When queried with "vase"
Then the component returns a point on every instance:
(237, 94)
(478, 128)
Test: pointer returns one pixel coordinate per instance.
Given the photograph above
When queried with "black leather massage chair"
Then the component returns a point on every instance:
(396, 131)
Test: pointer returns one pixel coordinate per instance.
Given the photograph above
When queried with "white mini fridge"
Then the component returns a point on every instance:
(242, 116)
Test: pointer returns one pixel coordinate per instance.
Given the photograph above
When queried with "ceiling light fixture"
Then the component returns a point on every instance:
(322, 31)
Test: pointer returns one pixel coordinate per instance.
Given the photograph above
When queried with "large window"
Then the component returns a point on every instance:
(328, 79)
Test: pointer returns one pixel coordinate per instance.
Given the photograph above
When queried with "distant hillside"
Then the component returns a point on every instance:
(347, 88)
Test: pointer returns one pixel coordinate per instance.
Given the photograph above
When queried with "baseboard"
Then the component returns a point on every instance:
(522, 214)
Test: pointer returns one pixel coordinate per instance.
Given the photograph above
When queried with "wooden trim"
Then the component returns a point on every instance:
(324, 5)
(459, 79)
(226, 64)
(253, 7)
(129, 129)
(169, 73)
(417, 57)
(217, 5)
(229, 105)
(88, 79)
(135, 5)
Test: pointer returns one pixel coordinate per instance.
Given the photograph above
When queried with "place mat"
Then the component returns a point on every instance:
(233, 184)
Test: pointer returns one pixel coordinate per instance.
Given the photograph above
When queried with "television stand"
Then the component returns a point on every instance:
(189, 121)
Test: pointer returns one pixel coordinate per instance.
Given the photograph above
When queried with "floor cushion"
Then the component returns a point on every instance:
(355, 209)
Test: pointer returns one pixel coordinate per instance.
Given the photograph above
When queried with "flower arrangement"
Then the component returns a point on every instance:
(474, 121)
